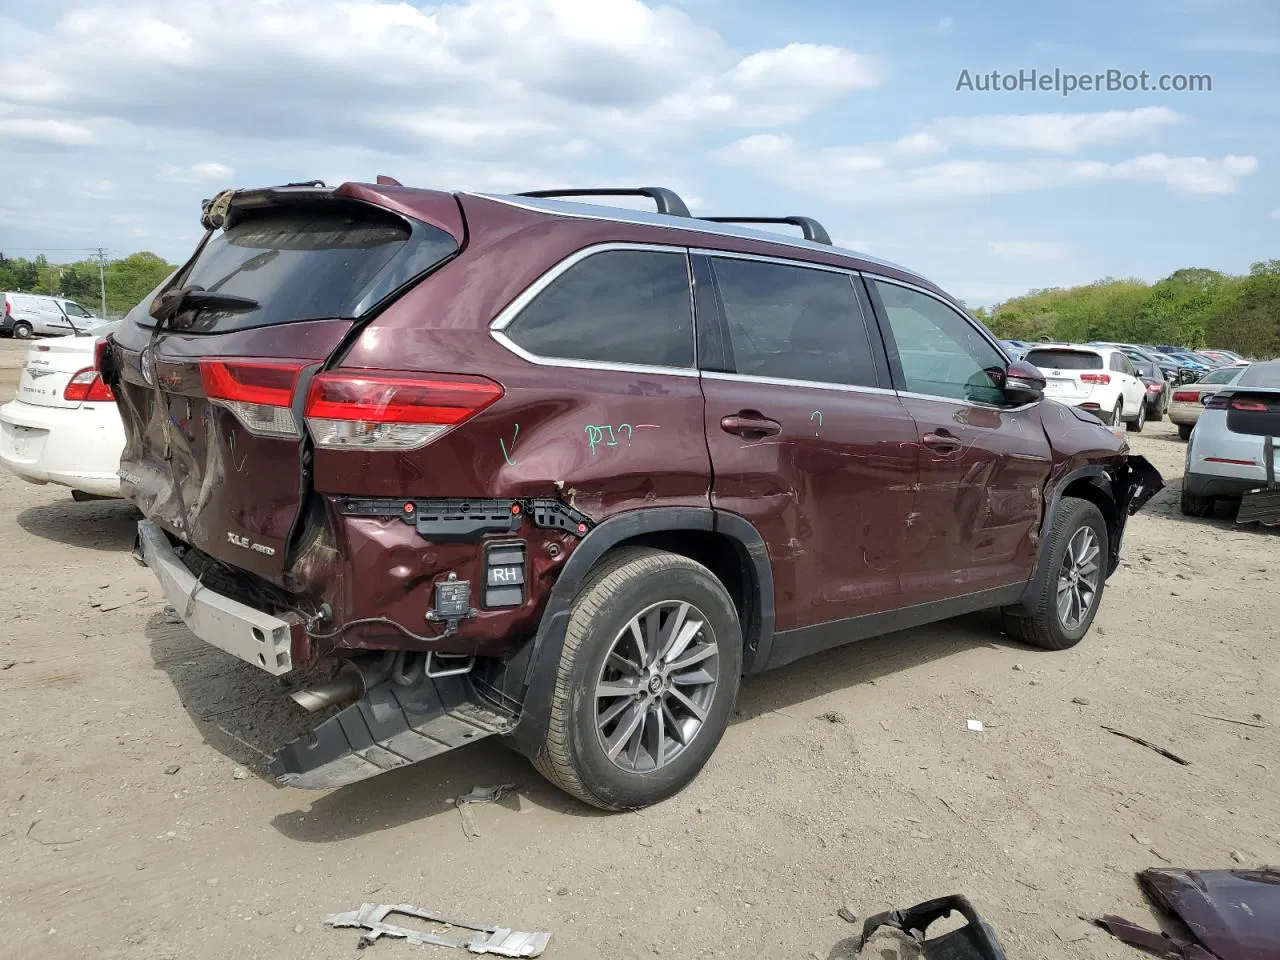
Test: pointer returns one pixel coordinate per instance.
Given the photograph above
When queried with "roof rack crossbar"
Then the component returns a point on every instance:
(810, 227)
(668, 201)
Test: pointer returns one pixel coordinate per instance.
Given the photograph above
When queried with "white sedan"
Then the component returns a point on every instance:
(64, 427)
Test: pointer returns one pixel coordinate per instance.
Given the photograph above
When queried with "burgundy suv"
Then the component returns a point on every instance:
(559, 472)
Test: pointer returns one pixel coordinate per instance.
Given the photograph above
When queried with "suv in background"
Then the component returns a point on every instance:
(467, 465)
(1101, 380)
(27, 315)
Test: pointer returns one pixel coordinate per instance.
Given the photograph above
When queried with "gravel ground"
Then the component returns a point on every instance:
(135, 819)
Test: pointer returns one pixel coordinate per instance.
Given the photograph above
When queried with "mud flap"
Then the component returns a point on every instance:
(392, 725)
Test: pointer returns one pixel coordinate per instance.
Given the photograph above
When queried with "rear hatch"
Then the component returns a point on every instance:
(213, 372)
(1070, 375)
(50, 368)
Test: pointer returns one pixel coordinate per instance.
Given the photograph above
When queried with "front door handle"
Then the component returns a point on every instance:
(750, 425)
(940, 442)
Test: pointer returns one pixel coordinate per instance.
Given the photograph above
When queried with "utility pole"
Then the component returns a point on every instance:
(102, 278)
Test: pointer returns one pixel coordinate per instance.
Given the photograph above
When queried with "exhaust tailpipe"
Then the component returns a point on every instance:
(347, 687)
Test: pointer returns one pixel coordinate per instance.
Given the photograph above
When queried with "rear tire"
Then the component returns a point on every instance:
(22, 331)
(1137, 423)
(589, 751)
(1156, 414)
(1194, 506)
(1061, 607)
(1114, 420)
(1184, 431)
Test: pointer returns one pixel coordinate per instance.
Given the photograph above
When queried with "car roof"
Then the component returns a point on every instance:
(596, 211)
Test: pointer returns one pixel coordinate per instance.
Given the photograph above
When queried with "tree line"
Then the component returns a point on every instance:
(1192, 307)
(128, 279)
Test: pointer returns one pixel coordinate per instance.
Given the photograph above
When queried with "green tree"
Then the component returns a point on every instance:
(132, 278)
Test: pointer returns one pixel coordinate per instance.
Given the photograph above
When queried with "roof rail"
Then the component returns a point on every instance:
(668, 201)
(810, 227)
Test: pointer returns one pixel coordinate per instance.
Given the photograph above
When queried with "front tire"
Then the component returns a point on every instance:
(647, 680)
(1067, 591)
(22, 331)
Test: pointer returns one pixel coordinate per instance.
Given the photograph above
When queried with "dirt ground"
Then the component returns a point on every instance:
(128, 831)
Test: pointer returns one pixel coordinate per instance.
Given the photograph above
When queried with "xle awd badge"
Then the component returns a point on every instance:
(248, 544)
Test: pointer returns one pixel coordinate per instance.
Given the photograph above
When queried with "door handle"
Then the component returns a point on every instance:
(751, 426)
(940, 442)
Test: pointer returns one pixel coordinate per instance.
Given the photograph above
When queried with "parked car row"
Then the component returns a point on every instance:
(27, 315)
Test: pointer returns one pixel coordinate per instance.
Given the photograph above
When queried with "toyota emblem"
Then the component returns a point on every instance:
(146, 365)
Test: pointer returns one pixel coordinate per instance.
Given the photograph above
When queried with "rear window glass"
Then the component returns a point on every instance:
(1220, 376)
(619, 306)
(1065, 360)
(1260, 375)
(309, 263)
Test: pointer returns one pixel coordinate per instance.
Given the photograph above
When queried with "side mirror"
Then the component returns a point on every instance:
(1024, 383)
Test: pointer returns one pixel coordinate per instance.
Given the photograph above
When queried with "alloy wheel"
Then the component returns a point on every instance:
(656, 686)
(1078, 578)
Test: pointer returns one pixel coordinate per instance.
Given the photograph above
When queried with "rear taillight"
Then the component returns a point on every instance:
(1155, 388)
(1185, 396)
(365, 410)
(1250, 406)
(1217, 402)
(8, 310)
(1095, 378)
(87, 387)
(258, 392)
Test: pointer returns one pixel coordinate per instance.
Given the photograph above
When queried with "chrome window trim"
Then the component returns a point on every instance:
(970, 403)
(850, 272)
(786, 382)
(508, 314)
(591, 211)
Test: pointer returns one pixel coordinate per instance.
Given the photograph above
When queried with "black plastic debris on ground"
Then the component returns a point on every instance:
(1223, 914)
(974, 941)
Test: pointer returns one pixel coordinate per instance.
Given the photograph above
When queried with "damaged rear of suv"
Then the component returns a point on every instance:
(462, 465)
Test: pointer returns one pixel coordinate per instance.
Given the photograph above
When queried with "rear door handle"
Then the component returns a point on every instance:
(940, 443)
(751, 427)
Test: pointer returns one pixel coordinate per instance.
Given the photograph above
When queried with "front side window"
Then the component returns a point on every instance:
(617, 306)
(75, 310)
(794, 323)
(942, 353)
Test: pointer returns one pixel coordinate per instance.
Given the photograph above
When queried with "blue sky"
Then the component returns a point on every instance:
(118, 116)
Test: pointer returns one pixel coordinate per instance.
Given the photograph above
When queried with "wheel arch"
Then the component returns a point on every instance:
(725, 543)
(1093, 483)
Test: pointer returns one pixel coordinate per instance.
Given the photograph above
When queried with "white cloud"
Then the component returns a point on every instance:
(946, 23)
(206, 172)
(1034, 250)
(94, 189)
(58, 132)
(1053, 132)
(480, 75)
(875, 174)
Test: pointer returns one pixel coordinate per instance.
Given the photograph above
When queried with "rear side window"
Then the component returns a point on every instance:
(310, 263)
(617, 306)
(794, 323)
(1065, 360)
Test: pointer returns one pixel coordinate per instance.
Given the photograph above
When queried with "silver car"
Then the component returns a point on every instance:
(1189, 399)
(26, 315)
(1232, 453)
